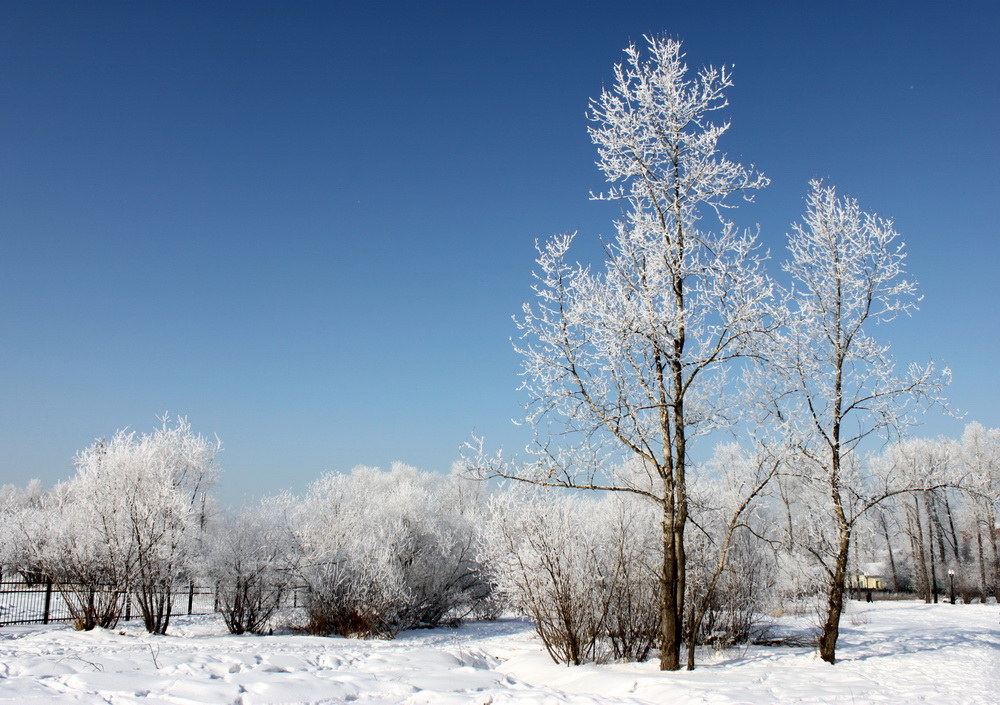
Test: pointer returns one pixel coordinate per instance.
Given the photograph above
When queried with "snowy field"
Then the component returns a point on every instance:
(890, 652)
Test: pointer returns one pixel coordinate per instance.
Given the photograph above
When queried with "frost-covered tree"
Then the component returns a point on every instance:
(837, 385)
(979, 455)
(890, 529)
(925, 464)
(631, 361)
(940, 535)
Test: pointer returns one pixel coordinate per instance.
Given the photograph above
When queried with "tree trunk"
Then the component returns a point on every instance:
(953, 535)
(693, 623)
(919, 556)
(930, 553)
(835, 600)
(681, 569)
(892, 560)
(982, 562)
(669, 616)
(674, 505)
(940, 532)
(991, 531)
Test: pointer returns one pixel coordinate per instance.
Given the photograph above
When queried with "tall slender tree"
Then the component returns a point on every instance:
(980, 457)
(631, 362)
(836, 384)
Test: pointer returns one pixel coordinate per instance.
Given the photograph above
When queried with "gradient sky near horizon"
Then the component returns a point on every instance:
(306, 225)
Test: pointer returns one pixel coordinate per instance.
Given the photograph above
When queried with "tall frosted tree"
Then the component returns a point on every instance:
(837, 385)
(980, 458)
(630, 362)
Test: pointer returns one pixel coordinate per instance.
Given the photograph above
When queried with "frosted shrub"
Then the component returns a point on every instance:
(20, 532)
(583, 570)
(356, 592)
(85, 555)
(742, 596)
(251, 560)
(730, 570)
(145, 495)
(127, 524)
(634, 620)
(386, 551)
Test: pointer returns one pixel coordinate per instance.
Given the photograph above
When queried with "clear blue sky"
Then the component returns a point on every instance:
(306, 226)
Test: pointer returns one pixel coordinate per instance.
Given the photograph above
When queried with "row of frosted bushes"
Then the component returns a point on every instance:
(377, 551)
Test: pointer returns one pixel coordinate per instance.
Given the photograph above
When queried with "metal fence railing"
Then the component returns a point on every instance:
(42, 603)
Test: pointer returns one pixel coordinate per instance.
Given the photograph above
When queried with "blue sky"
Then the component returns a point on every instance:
(306, 226)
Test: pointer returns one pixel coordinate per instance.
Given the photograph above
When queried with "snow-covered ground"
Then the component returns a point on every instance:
(890, 652)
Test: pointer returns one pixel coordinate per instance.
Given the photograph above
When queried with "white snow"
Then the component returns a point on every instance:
(889, 653)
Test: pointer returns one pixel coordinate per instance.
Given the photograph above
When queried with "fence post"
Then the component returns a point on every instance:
(191, 598)
(48, 600)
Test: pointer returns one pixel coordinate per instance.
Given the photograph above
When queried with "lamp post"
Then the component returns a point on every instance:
(951, 584)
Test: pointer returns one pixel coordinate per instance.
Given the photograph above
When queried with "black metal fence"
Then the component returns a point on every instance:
(42, 603)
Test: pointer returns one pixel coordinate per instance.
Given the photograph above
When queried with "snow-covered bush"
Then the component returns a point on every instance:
(737, 609)
(252, 560)
(633, 622)
(731, 570)
(126, 524)
(584, 570)
(385, 551)
(18, 534)
(147, 492)
(85, 549)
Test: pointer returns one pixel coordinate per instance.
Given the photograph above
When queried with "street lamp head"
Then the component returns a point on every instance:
(951, 571)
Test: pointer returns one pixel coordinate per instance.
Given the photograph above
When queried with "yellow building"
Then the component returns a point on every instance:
(865, 582)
